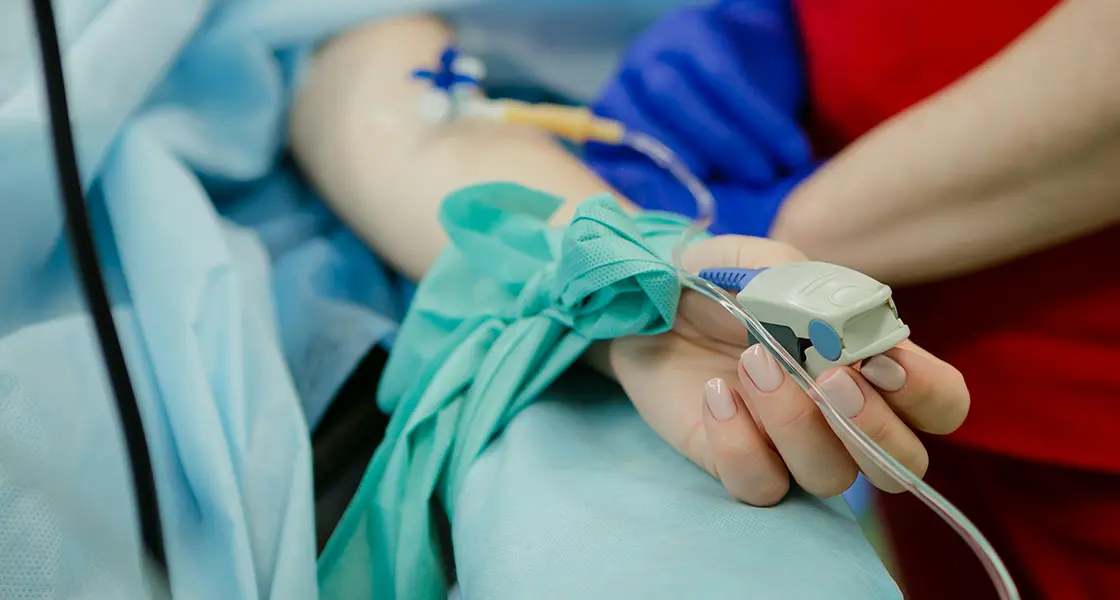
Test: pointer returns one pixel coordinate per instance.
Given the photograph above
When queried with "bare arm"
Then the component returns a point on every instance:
(1021, 155)
(358, 135)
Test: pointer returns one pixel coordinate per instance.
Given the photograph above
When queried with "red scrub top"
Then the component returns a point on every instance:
(1038, 340)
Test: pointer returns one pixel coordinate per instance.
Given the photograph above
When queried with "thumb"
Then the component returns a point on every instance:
(707, 317)
(738, 251)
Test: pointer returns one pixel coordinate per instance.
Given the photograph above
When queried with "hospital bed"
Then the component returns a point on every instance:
(246, 310)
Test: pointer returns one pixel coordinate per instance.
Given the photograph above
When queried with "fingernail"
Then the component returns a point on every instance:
(884, 373)
(762, 369)
(844, 393)
(719, 399)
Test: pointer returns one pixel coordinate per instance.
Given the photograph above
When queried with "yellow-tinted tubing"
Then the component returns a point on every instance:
(573, 123)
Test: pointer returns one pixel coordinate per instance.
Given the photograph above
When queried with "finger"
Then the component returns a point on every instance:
(739, 251)
(854, 397)
(625, 101)
(666, 393)
(727, 251)
(693, 116)
(666, 396)
(816, 458)
(736, 452)
(926, 392)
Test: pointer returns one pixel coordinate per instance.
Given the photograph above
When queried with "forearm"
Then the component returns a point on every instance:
(358, 135)
(1021, 155)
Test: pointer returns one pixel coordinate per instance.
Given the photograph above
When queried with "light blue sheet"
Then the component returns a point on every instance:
(241, 304)
(576, 499)
(634, 520)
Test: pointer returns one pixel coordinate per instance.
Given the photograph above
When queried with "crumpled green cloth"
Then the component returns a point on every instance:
(506, 309)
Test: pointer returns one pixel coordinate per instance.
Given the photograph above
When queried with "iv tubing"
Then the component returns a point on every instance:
(843, 426)
(573, 123)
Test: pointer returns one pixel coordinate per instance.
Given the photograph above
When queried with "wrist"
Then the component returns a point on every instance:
(598, 357)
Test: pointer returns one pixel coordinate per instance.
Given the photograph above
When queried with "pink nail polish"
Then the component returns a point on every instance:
(844, 393)
(762, 368)
(718, 397)
(884, 373)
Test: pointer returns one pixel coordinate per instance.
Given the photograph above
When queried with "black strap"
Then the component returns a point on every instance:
(93, 285)
(344, 442)
(351, 429)
(353, 426)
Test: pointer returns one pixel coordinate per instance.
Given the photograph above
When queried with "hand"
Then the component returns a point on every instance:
(740, 209)
(720, 85)
(736, 413)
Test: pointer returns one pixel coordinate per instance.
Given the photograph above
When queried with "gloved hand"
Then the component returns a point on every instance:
(740, 209)
(736, 413)
(721, 85)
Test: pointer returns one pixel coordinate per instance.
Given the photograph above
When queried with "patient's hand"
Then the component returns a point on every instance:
(734, 411)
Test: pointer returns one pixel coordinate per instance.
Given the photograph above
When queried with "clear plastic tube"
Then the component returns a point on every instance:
(843, 426)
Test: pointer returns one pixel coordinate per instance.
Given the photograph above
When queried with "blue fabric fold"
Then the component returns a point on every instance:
(243, 304)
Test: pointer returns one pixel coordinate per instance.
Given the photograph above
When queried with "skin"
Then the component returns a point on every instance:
(778, 436)
(959, 201)
(357, 134)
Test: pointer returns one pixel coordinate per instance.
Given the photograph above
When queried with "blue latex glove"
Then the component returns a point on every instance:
(721, 85)
(741, 210)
